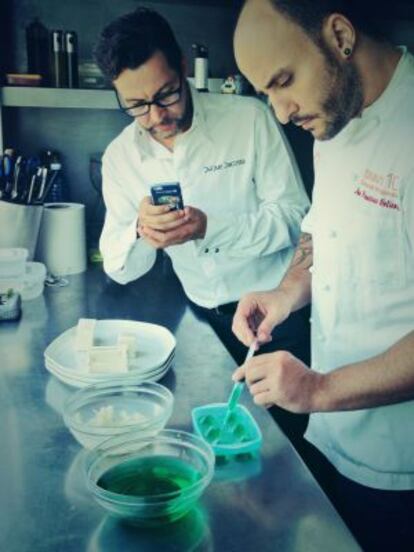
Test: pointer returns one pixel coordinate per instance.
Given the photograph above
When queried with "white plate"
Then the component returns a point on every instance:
(81, 380)
(77, 381)
(134, 370)
(131, 375)
(89, 379)
(155, 345)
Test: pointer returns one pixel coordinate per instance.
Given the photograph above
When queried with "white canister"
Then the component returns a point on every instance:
(200, 67)
(62, 238)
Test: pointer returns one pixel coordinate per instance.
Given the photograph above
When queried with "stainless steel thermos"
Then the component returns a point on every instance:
(71, 47)
(59, 62)
(65, 73)
(53, 55)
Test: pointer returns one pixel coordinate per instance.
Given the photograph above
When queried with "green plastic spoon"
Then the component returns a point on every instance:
(235, 393)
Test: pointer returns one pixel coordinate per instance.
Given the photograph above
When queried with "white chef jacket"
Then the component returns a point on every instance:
(362, 224)
(235, 165)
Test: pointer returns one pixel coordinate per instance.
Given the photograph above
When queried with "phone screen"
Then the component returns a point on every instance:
(168, 194)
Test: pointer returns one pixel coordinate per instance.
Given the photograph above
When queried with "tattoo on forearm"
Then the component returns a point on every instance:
(304, 252)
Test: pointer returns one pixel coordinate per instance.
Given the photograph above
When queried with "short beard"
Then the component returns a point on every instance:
(344, 97)
(163, 134)
(181, 123)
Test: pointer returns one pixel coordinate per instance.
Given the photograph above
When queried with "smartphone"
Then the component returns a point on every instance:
(168, 194)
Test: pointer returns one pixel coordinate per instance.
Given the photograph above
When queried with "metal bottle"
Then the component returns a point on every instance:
(59, 71)
(71, 51)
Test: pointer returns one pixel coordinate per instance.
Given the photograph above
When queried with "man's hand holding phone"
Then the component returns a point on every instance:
(158, 217)
(167, 224)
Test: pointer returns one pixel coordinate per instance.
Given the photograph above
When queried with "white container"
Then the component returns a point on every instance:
(201, 73)
(33, 281)
(12, 262)
(62, 239)
(30, 284)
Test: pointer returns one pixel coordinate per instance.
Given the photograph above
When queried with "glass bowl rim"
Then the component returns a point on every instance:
(100, 390)
(95, 455)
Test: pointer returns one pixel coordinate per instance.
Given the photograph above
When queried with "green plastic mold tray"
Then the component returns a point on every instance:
(240, 435)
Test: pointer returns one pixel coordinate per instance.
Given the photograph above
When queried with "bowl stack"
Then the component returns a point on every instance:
(135, 469)
(153, 360)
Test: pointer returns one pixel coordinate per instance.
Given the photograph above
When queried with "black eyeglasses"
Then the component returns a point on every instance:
(140, 108)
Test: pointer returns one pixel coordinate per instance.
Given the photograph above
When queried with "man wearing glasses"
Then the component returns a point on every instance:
(243, 196)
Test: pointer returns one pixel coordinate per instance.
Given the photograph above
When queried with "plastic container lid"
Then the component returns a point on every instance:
(12, 261)
(241, 434)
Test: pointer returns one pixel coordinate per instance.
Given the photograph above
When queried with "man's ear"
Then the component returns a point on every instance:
(340, 35)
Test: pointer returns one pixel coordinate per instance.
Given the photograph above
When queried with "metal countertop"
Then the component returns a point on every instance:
(268, 504)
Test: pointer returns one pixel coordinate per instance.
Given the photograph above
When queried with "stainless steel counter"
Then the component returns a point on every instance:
(268, 504)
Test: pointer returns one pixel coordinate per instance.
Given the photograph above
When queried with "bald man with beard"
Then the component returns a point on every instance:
(325, 68)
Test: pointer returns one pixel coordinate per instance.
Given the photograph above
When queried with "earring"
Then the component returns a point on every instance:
(347, 52)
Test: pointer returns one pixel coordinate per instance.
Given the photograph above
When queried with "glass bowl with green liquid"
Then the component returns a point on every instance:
(150, 480)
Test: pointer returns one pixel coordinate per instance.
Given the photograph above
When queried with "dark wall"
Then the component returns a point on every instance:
(79, 133)
(210, 23)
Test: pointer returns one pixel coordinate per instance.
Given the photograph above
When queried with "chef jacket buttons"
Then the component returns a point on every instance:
(206, 250)
(332, 234)
(327, 287)
(217, 250)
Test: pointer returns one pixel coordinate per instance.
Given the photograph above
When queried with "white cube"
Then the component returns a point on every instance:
(85, 331)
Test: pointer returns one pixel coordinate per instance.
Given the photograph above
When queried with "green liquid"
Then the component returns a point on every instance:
(149, 476)
(232, 433)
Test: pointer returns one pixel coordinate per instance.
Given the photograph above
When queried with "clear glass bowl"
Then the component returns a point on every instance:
(150, 480)
(98, 412)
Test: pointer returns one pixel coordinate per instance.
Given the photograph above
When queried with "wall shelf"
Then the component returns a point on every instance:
(73, 98)
(20, 96)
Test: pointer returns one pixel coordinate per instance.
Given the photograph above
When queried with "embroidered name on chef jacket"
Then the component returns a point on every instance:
(224, 165)
(378, 189)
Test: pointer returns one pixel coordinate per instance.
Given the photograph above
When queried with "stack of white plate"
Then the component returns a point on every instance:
(156, 349)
